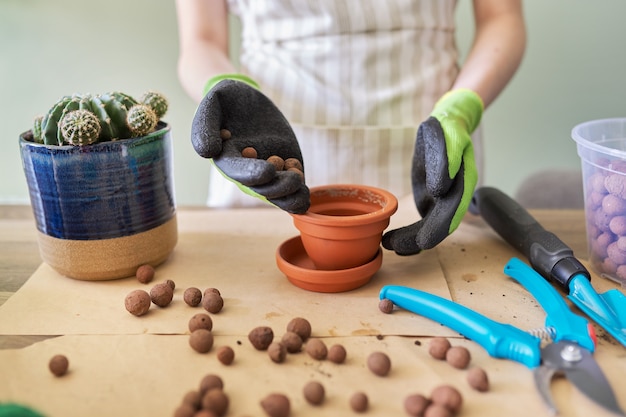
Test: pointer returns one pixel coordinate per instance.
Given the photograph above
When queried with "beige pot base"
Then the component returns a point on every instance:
(97, 260)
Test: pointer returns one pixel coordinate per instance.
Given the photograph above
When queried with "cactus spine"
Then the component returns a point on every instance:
(118, 115)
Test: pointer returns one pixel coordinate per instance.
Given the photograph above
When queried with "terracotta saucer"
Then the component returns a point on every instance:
(293, 261)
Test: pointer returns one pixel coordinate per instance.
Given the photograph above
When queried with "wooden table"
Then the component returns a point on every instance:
(19, 259)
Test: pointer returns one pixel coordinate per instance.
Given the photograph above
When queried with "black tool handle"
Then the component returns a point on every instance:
(547, 254)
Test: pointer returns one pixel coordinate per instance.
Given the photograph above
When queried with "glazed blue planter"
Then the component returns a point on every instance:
(111, 199)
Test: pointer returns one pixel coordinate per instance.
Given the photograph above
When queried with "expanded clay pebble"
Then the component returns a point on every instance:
(292, 342)
(145, 273)
(416, 404)
(337, 353)
(225, 134)
(316, 349)
(277, 161)
(301, 327)
(385, 305)
(193, 398)
(226, 355)
(212, 302)
(379, 363)
(458, 356)
(192, 296)
(276, 405)
(249, 152)
(478, 379)
(359, 402)
(293, 163)
(161, 294)
(201, 340)
(209, 382)
(439, 347)
(437, 410)
(447, 396)
(200, 321)
(185, 410)
(137, 302)
(215, 401)
(277, 352)
(314, 392)
(212, 290)
(58, 365)
(261, 337)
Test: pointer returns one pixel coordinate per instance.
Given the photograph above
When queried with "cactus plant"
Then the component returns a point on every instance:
(119, 116)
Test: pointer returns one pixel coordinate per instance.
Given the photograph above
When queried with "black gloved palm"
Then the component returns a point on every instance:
(253, 121)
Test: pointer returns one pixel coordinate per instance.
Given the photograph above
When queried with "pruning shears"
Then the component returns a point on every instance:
(570, 351)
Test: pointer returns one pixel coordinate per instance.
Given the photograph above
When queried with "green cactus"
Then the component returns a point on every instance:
(112, 110)
(80, 127)
(141, 119)
(156, 101)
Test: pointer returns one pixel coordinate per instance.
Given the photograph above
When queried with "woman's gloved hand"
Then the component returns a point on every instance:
(444, 173)
(234, 103)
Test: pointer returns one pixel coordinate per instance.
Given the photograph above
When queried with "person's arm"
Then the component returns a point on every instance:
(203, 43)
(497, 50)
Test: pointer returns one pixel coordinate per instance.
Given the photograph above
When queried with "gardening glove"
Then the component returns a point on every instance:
(443, 173)
(234, 102)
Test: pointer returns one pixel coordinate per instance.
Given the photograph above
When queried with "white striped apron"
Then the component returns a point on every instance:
(355, 78)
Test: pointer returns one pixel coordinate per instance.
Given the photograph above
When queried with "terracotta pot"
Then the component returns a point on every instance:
(344, 225)
(103, 210)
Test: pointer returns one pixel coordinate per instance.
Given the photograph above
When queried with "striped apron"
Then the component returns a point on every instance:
(355, 78)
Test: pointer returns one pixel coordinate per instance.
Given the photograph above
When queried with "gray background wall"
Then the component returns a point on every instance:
(573, 71)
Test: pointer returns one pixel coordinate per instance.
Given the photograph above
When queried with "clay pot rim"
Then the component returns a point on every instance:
(386, 211)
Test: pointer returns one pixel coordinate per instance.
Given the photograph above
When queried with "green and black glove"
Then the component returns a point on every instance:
(443, 174)
(234, 103)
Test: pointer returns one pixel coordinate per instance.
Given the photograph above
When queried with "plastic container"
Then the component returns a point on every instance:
(601, 146)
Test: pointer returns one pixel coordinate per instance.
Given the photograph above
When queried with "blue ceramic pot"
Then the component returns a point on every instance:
(87, 198)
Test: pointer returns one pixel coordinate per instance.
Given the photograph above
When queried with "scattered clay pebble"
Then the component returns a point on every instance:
(437, 410)
(301, 327)
(145, 273)
(277, 161)
(276, 405)
(193, 398)
(204, 413)
(359, 402)
(439, 347)
(293, 163)
(216, 401)
(385, 305)
(200, 321)
(277, 352)
(161, 294)
(225, 134)
(297, 171)
(137, 302)
(192, 296)
(316, 349)
(249, 152)
(226, 355)
(314, 392)
(201, 340)
(209, 382)
(416, 404)
(58, 365)
(379, 363)
(458, 356)
(478, 379)
(292, 342)
(261, 337)
(337, 354)
(447, 396)
(212, 302)
(212, 290)
(171, 283)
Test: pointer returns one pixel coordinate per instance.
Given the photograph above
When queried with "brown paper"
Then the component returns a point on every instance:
(148, 375)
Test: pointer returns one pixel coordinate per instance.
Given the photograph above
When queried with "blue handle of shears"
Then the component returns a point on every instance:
(499, 340)
(566, 324)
